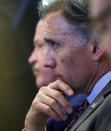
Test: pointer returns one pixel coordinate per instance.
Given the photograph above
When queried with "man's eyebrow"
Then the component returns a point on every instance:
(53, 41)
(49, 41)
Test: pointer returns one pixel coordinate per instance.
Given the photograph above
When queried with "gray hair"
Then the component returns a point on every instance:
(75, 12)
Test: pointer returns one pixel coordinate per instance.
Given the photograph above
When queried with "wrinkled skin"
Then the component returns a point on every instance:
(75, 69)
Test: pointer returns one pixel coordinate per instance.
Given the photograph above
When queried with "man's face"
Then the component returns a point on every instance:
(69, 62)
(42, 68)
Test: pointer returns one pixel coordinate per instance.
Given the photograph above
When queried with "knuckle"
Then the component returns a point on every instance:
(58, 94)
(55, 83)
(48, 109)
(58, 81)
(53, 102)
(36, 107)
(42, 89)
(51, 85)
(34, 104)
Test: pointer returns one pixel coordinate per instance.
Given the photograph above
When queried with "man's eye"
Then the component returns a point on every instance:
(52, 43)
(39, 45)
(56, 45)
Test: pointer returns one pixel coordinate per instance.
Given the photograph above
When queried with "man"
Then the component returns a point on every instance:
(81, 67)
(44, 74)
(101, 14)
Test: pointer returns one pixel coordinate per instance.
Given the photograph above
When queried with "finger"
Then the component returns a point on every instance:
(41, 107)
(58, 96)
(54, 106)
(61, 85)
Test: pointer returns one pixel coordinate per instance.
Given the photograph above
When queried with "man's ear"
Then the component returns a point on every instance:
(96, 50)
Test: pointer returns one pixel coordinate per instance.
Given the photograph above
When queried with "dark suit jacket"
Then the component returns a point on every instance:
(75, 103)
(97, 117)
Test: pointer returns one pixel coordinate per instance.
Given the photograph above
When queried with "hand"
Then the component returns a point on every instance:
(49, 102)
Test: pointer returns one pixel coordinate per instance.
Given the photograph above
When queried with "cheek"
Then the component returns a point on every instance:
(46, 76)
(67, 61)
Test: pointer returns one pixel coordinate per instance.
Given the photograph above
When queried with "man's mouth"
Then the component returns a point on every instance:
(59, 77)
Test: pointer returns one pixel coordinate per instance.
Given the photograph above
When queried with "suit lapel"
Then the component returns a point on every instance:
(89, 110)
(99, 99)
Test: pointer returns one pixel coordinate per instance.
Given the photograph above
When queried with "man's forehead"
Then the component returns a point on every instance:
(54, 22)
(54, 27)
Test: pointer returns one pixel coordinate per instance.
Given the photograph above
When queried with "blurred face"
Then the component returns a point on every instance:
(61, 55)
(98, 6)
(103, 25)
(106, 39)
(42, 68)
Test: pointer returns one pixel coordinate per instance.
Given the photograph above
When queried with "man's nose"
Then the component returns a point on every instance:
(33, 58)
(49, 62)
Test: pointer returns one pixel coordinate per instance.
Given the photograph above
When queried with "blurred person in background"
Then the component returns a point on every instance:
(98, 7)
(100, 12)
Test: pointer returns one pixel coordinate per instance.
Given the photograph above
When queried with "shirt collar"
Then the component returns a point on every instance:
(101, 83)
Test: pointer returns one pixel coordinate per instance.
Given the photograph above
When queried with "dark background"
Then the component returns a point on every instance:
(17, 87)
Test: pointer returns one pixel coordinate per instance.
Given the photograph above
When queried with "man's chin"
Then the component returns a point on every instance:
(43, 82)
(39, 83)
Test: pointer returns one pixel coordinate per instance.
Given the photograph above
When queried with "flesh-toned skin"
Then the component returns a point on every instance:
(76, 69)
(42, 71)
(98, 6)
